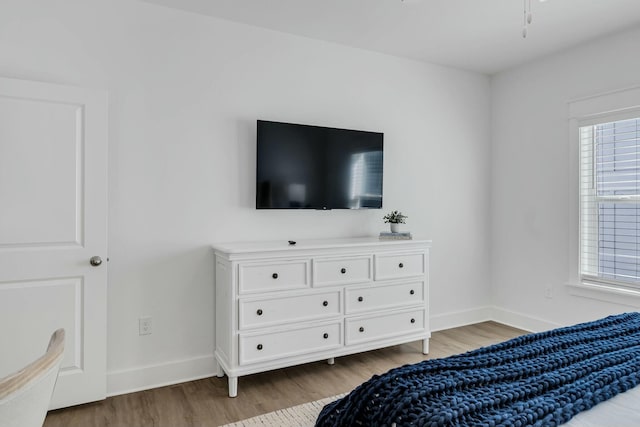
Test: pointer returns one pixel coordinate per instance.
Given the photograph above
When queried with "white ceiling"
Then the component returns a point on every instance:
(478, 35)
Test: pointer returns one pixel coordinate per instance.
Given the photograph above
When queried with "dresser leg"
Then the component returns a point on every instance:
(233, 386)
(425, 346)
(219, 370)
(331, 361)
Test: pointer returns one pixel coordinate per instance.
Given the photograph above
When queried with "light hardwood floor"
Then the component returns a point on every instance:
(205, 403)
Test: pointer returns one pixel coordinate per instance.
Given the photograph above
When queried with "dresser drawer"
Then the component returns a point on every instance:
(342, 271)
(379, 297)
(276, 345)
(271, 276)
(399, 265)
(285, 309)
(371, 328)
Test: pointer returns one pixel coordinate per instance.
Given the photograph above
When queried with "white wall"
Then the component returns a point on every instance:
(185, 91)
(532, 219)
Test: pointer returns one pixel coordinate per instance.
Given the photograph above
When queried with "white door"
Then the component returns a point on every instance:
(53, 219)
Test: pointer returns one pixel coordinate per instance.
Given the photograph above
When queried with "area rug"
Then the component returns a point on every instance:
(296, 416)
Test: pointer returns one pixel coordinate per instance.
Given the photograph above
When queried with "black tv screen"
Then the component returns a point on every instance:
(314, 167)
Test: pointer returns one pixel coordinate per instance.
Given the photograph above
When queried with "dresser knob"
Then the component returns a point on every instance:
(361, 329)
(412, 292)
(259, 347)
(259, 312)
(401, 265)
(413, 320)
(343, 270)
(325, 303)
(325, 336)
(360, 299)
(274, 275)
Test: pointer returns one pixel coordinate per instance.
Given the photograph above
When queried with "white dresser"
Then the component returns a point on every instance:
(280, 305)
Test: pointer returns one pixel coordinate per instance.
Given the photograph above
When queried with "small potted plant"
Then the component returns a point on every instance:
(395, 218)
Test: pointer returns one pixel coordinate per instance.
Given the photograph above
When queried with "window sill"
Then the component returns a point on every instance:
(608, 293)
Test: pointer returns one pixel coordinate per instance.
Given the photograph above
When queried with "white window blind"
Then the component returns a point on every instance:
(610, 201)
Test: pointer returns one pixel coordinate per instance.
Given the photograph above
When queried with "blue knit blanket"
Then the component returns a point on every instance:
(540, 379)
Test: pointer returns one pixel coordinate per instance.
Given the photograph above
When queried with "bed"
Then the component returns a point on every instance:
(541, 379)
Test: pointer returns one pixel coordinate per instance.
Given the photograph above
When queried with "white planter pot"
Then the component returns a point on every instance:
(395, 228)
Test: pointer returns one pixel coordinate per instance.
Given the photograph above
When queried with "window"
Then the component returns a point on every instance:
(610, 201)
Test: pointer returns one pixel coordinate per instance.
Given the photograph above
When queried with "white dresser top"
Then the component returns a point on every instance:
(311, 244)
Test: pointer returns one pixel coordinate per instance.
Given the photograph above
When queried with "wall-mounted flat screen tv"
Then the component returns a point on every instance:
(314, 167)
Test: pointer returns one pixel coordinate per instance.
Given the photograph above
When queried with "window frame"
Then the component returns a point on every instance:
(602, 108)
(592, 228)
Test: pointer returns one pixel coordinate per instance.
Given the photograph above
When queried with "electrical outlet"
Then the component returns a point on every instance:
(144, 326)
(548, 291)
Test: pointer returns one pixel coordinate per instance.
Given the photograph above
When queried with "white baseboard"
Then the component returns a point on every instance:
(460, 318)
(521, 321)
(174, 372)
(483, 314)
(147, 377)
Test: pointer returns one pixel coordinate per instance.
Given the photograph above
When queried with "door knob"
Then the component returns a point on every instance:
(95, 261)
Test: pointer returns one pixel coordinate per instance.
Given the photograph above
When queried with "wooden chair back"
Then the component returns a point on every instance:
(25, 395)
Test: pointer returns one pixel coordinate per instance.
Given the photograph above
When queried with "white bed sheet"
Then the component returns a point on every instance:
(623, 410)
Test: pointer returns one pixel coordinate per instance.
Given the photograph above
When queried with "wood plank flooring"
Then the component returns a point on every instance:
(204, 403)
